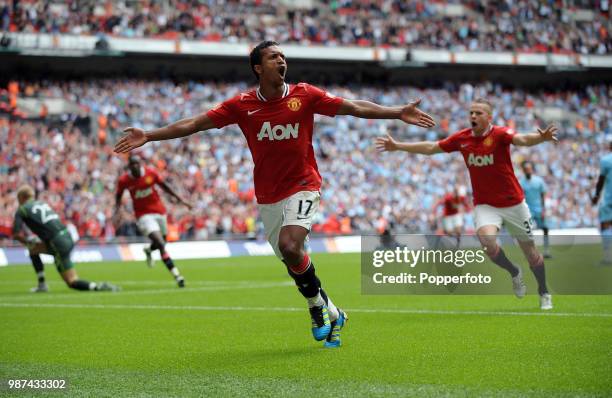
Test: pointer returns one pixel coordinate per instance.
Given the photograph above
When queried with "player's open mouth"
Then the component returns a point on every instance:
(282, 70)
(474, 124)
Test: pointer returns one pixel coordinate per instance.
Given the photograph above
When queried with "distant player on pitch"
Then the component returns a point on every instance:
(534, 188)
(140, 181)
(53, 238)
(498, 197)
(453, 205)
(277, 121)
(605, 207)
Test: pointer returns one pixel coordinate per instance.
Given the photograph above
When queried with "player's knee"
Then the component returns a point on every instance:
(490, 248)
(535, 260)
(290, 249)
(158, 243)
(70, 282)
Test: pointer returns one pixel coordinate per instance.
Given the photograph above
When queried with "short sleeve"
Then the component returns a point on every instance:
(543, 186)
(323, 102)
(156, 176)
(450, 143)
(507, 134)
(225, 113)
(120, 185)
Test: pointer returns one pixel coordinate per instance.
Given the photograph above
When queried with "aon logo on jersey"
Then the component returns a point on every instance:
(143, 193)
(479, 161)
(278, 132)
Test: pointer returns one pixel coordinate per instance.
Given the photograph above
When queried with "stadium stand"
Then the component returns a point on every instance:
(58, 137)
(571, 26)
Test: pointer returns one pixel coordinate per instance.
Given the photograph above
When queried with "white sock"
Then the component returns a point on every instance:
(315, 301)
(175, 272)
(92, 285)
(318, 301)
(333, 310)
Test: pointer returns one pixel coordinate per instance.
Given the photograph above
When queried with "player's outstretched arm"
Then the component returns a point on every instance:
(368, 110)
(136, 137)
(548, 134)
(388, 144)
(171, 192)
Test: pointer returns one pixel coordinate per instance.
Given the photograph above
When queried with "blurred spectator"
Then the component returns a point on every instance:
(508, 25)
(76, 173)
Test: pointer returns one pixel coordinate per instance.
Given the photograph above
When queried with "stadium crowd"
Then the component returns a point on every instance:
(510, 25)
(72, 165)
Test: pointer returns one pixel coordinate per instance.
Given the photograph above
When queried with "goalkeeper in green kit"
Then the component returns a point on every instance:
(53, 238)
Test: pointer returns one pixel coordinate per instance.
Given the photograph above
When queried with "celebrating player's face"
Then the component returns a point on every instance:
(480, 117)
(273, 65)
(134, 168)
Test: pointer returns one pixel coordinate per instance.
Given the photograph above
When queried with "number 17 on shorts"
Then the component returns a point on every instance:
(301, 208)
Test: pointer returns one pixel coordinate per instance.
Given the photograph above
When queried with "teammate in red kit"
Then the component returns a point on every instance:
(498, 196)
(140, 181)
(277, 122)
(452, 217)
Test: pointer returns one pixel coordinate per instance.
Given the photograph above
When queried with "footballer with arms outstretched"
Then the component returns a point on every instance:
(140, 181)
(52, 237)
(498, 197)
(277, 121)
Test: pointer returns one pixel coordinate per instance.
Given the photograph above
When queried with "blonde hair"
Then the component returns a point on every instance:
(24, 193)
(484, 101)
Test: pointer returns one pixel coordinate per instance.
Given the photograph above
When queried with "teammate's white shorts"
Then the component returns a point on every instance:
(149, 223)
(298, 209)
(517, 219)
(452, 223)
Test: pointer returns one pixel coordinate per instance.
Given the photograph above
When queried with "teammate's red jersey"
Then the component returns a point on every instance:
(488, 160)
(452, 203)
(279, 135)
(142, 190)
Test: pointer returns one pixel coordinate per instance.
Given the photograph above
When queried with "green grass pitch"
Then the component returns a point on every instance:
(240, 328)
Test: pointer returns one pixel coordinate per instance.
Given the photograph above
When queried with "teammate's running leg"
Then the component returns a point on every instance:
(159, 243)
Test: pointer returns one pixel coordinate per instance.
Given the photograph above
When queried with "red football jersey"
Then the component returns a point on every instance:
(452, 204)
(279, 136)
(488, 160)
(145, 198)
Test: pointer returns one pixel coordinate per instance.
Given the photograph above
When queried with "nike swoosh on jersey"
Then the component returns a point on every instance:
(251, 112)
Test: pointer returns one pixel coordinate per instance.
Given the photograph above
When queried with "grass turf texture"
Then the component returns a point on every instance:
(241, 328)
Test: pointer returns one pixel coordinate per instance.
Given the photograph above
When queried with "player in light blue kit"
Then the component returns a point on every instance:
(534, 188)
(605, 207)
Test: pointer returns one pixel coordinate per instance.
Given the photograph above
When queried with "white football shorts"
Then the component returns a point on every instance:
(451, 223)
(149, 223)
(517, 219)
(298, 209)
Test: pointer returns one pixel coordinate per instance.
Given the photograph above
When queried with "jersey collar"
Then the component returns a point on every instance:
(487, 132)
(262, 98)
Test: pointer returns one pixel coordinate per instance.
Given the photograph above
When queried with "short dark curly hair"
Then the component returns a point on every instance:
(255, 56)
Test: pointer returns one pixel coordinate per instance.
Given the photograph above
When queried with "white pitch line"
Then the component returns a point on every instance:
(295, 309)
(34, 296)
(136, 282)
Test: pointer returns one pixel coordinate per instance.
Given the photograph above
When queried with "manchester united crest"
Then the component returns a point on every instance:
(488, 141)
(294, 104)
(149, 180)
